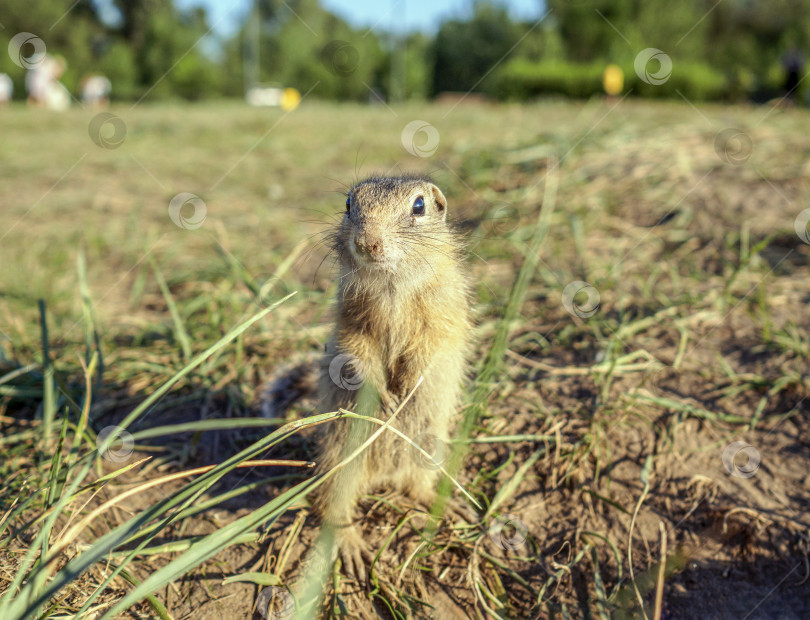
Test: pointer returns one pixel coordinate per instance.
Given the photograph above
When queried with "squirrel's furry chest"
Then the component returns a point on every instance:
(386, 332)
(393, 322)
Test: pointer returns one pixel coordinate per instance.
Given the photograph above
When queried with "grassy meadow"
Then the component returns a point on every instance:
(636, 406)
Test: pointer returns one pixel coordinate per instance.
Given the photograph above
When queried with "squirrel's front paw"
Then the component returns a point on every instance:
(354, 552)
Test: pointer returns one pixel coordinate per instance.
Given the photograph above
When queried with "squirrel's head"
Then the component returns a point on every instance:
(392, 223)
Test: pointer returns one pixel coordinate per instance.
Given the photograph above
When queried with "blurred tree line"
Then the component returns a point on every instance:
(728, 50)
(137, 44)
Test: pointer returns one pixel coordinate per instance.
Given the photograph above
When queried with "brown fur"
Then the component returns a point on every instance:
(402, 313)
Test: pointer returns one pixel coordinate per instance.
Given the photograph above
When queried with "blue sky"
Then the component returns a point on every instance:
(399, 15)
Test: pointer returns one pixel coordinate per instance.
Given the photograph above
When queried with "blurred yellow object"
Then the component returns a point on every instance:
(613, 80)
(290, 99)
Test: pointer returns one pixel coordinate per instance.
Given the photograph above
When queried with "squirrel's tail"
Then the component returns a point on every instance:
(288, 385)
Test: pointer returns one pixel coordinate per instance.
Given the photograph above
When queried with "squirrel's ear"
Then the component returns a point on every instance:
(441, 201)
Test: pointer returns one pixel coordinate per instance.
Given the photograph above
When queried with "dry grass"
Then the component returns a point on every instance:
(597, 433)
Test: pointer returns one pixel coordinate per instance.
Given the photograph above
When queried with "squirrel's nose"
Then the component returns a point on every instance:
(369, 245)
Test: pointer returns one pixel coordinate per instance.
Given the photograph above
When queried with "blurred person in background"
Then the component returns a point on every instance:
(96, 91)
(43, 85)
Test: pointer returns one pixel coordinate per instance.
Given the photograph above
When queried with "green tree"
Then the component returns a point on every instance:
(301, 45)
(167, 49)
(742, 40)
(67, 32)
(463, 52)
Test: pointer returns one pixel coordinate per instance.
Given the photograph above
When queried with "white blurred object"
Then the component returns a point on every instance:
(43, 85)
(96, 90)
(57, 98)
(272, 96)
(6, 88)
(37, 80)
(264, 96)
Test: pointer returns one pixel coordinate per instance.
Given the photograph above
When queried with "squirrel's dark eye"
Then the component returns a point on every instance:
(419, 206)
(348, 204)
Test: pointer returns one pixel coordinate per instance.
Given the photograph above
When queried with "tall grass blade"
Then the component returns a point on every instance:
(179, 328)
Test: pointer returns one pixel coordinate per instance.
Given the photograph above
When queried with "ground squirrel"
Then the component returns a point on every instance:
(402, 313)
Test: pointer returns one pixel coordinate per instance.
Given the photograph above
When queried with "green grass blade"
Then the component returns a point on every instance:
(507, 490)
(207, 425)
(92, 339)
(48, 400)
(18, 372)
(179, 328)
(154, 603)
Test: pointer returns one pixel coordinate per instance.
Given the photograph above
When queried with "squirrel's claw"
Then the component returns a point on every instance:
(355, 554)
